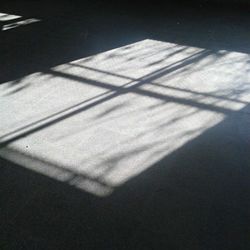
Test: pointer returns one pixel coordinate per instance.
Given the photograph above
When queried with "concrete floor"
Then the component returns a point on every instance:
(122, 130)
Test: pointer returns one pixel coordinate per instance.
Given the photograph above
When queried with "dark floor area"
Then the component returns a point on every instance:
(198, 197)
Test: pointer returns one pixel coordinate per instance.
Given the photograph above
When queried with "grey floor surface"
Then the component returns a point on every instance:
(124, 128)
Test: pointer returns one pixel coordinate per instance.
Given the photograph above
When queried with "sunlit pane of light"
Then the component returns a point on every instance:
(97, 122)
(8, 17)
(20, 23)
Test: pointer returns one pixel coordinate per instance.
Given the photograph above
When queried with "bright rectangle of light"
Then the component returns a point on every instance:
(97, 122)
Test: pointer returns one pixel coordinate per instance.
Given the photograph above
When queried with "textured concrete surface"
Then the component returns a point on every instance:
(143, 146)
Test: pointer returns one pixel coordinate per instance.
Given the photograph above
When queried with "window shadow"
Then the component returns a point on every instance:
(112, 91)
(194, 197)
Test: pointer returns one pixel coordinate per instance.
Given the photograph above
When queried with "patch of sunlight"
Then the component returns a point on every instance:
(7, 17)
(97, 122)
(19, 23)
